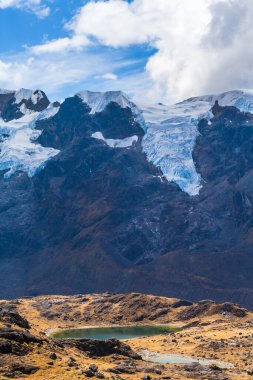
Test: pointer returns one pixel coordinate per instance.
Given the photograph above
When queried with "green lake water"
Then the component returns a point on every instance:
(105, 333)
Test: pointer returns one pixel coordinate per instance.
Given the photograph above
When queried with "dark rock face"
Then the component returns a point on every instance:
(5, 99)
(99, 218)
(12, 317)
(11, 347)
(16, 342)
(100, 348)
(19, 336)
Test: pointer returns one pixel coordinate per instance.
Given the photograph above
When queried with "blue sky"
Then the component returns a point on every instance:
(162, 50)
(21, 28)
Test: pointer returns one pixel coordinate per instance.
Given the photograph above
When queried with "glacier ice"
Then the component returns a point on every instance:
(169, 142)
(116, 143)
(18, 149)
(171, 132)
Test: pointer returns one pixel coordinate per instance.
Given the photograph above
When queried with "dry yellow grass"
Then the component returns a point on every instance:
(221, 336)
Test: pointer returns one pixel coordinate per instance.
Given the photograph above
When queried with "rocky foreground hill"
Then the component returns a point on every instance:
(219, 332)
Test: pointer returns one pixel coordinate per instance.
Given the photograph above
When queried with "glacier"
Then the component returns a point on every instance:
(171, 133)
(18, 148)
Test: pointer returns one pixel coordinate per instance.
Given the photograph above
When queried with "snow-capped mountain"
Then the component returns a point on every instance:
(16, 104)
(97, 193)
(171, 131)
(20, 150)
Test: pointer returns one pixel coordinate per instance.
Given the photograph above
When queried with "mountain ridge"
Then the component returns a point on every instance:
(96, 216)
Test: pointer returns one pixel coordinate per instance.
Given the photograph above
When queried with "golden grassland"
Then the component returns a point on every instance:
(212, 333)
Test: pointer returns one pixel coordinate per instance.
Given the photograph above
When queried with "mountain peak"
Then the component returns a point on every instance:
(16, 104)
(25, 94)
(98, 101)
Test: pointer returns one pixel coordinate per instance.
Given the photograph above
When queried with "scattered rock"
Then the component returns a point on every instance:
(93, 367)
(214, 367)
(99, 375)
(89, 373)
(146, 377)
(123, 368)
(53, 356)
(72, 362)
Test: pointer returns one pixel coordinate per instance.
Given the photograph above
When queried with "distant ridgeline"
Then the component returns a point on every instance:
(99, 194)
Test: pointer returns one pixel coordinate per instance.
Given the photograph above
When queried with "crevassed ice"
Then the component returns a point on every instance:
(170, 139)
(116, 143)
(171, 133)
(18, 150)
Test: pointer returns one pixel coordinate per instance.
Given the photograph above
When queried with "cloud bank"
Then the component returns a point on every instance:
(200, 46)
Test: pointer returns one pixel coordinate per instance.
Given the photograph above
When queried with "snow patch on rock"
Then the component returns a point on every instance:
(116, 143)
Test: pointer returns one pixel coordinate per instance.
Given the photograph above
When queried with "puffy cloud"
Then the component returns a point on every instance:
(34, 6)
(201, 45)
(198, 47)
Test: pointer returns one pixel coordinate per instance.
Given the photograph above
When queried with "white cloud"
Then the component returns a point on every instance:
(61, 45)
(34, 6)
(63, 74)
(202, 45)
(109, 76)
